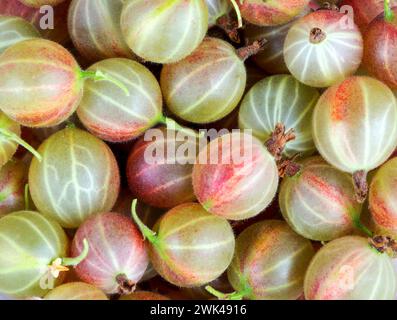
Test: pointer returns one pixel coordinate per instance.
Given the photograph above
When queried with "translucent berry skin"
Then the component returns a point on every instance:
(380, 46)
(39, 3)
(319, 202)
(349, 269)
(14, 30)
(13, 178)
(194, 247)
(207, 85)
(144, 295)
(161, 185)
(355, 124)
(217, 9)
(94, 27)
(29, 243)
(382, 199)
(7, 146)
(366, 10)
(41, 84)
(60, 31)
(75, 291)
(280, 99)
(112, 115)
(77, 178)
(164, 31)
(116, 248)
(271, 13)
(270, 260)
(233, 189)
(323, 60)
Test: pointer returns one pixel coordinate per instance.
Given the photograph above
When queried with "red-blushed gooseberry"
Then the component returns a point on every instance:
(42, 84)
(10, 138)
(319, 202)
(75, 291)
(280, 99)
(321, 49)
(164, 31)
(348, 268)
(207, 85)
(382, 199)
(144, 295)
(32, 254)
(365, 10)
(14, 30)
(271, 58)
(355, 127)
(271, 13)
(58, 32)
(380, 46)
(269, 263)
(113, 116)
(13, 178)
(78, 177)
(94, 27)
(39, 3)
(235, 177)
(117, 259)
(188, 246)
(167, 181)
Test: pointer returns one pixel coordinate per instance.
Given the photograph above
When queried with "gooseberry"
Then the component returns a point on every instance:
(280, 99)
(380, 47)
(117, 259)
(189, 247)
(41, 83)
(14, 30)
(319, 202)
(208, 84)
(381, 199)
(354, 127)
(321, 50)
(94, 27)
(75, 291)
(78, 177)
(271, 13)
(32, 251)
(167, 182)
(164, 31)
(235, 177)
(269, 263)
(39, 3)
(349, 268)
(13, 178)
(119, 117)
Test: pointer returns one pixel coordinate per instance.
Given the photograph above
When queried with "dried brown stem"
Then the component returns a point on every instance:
(230, 27)
(288, 167)
(360, 185)
(277, 141)
(384, 244)
(126, 286)
(251, 50)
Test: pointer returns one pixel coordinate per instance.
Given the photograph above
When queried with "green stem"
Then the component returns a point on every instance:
(147, 233)
(98, 75)
(171, 124)
(26, 195)
(17, 139)
(227, 296)
(389, 15)
(357, 223)
(238, 13)
(76, 260)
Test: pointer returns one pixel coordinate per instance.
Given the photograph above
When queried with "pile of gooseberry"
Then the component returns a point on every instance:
(198, 149)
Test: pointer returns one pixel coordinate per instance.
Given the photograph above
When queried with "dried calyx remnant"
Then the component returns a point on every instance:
(317, 35)
(384, 244)
(250, 50)
(360, 185)
(276, 144)
(126, 286)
